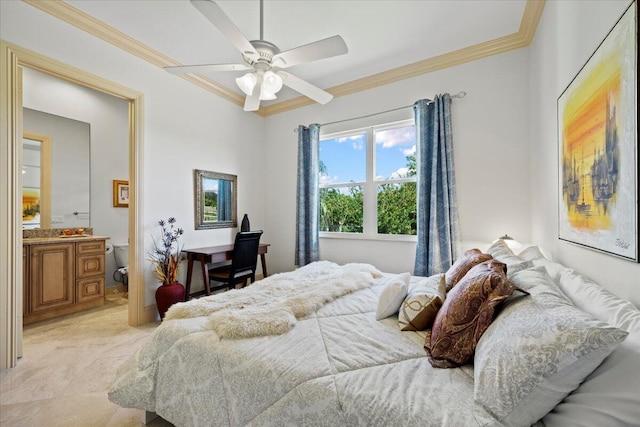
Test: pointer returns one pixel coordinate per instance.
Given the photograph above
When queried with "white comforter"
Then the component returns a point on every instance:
(336, 367)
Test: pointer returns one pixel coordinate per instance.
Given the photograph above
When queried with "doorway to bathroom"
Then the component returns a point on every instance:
(89, 145)
(14, 60)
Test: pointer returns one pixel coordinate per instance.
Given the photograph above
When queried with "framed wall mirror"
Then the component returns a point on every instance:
(56, 173)
(215, 196)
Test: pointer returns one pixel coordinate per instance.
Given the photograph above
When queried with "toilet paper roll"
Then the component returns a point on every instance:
(108, 248)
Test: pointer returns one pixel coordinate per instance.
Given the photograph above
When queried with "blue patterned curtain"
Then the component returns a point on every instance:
(225, 199)
(438, 229)
(307, 234)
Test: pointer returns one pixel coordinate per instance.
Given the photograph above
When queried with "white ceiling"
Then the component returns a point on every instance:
(381, 35)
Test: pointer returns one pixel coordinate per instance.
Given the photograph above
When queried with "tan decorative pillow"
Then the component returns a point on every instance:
(466, 314)
(419, 309)
(468, 260)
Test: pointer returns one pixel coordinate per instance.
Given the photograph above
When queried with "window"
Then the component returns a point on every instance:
(368, 181)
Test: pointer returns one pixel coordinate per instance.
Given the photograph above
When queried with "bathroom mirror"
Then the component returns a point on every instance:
(215, 196)
(56, 173)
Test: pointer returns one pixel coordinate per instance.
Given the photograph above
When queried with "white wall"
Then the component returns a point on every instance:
(491, 152)
(108, 118)
(568, 33)
(185, 127)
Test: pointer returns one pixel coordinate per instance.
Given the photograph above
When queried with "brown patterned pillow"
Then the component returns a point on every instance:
(466, 314)
(419, 309)
(468, 260)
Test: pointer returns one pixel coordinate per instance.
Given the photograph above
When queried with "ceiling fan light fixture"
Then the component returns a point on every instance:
(265, 94)
(271, 82)
(260, 57)
(247, 83)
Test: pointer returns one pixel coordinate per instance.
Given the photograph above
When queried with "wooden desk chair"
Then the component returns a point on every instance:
(243, 262)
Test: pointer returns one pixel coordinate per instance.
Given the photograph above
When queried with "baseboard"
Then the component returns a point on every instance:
(150, 314)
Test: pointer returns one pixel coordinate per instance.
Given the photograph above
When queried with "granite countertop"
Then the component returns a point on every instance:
(61, 239)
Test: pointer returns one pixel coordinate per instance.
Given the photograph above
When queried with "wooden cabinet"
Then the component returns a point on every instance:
(90, 270)
(62, 277)
(51, 281)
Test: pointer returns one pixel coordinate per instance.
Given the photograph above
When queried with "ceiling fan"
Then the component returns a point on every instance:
(265, 60)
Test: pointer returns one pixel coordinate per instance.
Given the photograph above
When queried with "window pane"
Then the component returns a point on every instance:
(397, 208)
(395, 153)
(341, 209)
(343, 159)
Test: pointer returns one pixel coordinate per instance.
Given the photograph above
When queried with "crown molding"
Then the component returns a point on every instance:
(85, 22)
(528, 26)
(530, 19)
(450, 59)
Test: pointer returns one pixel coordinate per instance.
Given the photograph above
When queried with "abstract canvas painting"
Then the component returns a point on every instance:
(598, 148)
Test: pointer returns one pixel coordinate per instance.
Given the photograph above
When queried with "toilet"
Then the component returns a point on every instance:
(121, 252)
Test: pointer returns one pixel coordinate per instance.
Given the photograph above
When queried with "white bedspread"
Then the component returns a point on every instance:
(336, 367)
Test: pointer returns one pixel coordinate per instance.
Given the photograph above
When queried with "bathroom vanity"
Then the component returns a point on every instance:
(62, 275)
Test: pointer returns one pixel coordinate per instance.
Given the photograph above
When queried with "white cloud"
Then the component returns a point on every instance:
(396, 137)
(349, 138)
(357, 141)
(409, 151)
(400, 173)
(326, 179)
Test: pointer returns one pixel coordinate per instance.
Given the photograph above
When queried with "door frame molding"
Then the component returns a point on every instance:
(12, 58)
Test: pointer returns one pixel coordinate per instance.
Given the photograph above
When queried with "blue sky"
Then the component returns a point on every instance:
(210, 184)
(345, 158)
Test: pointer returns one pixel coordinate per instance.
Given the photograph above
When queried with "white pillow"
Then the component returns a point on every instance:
(594, 299)
(392, 295)
(538, 256)
(609, 395)
(532, 252)
(536, 351)
(502, 252)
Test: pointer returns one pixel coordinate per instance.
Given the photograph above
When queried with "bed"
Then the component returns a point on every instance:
(333, 363)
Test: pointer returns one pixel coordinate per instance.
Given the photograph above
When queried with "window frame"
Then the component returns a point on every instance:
(370, 186)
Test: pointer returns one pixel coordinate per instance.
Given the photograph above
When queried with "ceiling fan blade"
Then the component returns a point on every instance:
(252, 102)
(217, 17)
(305, 88)
(181, 69)
(326, 48)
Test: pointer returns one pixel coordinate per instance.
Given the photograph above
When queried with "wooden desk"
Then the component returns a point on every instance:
(214, 254)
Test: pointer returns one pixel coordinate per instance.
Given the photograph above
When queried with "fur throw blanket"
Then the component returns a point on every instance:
(272, 305)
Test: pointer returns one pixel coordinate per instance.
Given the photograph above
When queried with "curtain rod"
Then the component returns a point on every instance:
(457, 95)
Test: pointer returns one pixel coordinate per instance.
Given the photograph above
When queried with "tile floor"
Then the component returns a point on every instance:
(67, 369)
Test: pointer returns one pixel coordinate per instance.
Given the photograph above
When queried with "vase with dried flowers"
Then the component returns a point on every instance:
(166, 256)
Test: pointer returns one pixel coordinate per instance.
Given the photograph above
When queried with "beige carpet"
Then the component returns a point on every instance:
(67, 369)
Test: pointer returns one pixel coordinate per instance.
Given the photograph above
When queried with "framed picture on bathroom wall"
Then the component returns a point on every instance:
(120, 194)
(598, 147)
